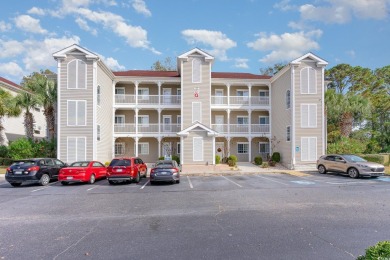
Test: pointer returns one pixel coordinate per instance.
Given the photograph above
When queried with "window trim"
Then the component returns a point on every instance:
(77, 109)
(265, 91)
(140, 144)
(243, 143)
(288, 133)
(141, 124)
(123, 148)
(124, 90)
(308, 105)
(308, 81)
(269, 148)
(263, 117)
(77, 74)
(144, 97)
(120, 116)
(247, 119)
(288, 99)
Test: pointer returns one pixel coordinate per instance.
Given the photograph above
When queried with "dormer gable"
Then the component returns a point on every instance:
(310, 57)
(75, 50)
(194, 52)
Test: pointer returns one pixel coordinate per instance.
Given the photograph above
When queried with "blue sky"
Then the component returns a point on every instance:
(242, 35)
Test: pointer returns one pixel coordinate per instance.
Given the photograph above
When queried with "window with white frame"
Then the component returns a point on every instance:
(308, 149)
(264, 148)
(242, 93)
(242, 120)
(178, 120)
(242, 148)
(308, 81)
(288, 99)
(119, 149)
(120, 119)
(178, 148)
(76, 112)
(264, 120)
(143, 93)
(143, 148)
(76, 150)
(263, 93)
(98, 132)
(308, 115)
(98, 95)
(288, 133)
(196, 70)
(77, 74)
(143, 120)
(196, 111)
(119, 91)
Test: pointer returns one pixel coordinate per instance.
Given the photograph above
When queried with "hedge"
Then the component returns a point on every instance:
(217, 159)
(6, 161)
(378, 158)
(258, 160)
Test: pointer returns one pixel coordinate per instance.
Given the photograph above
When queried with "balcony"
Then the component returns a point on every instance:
(239, 101)
(153, 100)
(241, 128)
(146, 128)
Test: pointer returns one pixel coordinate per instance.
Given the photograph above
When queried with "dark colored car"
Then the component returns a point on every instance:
(38, 170)
(126, 169)
(82, 171)
(165, 171)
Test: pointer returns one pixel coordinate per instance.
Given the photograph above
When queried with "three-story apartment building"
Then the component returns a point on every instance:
(193, 112)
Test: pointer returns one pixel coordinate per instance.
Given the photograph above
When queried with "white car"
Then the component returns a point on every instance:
(350, 164)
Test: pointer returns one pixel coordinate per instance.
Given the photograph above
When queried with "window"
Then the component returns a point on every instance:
(263, 93)
(308, 81)
(288, 133)
(242, 93)
(178, 120)
(143, 148)
(143, 120)
(308, 115)
(98, 96)
(119, 91)
(196, 70)
(76, 149)
(288, 99)
(242, 148)
(242, 120)
(309, 149)
(98, 132)
(264, 120)
(77, 112)
(263, 148)
(119, 148)
(143, 93)
(178, 148)
(196, 111)
(120, 119)
(77, 74)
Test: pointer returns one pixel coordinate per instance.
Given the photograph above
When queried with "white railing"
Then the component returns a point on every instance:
(240, 128)
(124, 99)
(147, 128)
(239, 100)
(124, 128)
(219, 100)
(264, 101)
(170, 99)
(148, 99)
(260, 128)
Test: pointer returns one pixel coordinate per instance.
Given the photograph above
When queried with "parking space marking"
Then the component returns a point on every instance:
(232, 182)
(38, 189)
(92, 188)
(351, 182)
(189, 181)
(143, 186)
(271, 180)
(304, 182)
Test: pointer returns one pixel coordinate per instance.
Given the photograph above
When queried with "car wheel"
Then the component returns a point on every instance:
(353, 173)
(64, 183)
(136, 180)
(92, 179)
(16, 184)
(111, 182)
(177, 181)
(44, 180)
(321, 169)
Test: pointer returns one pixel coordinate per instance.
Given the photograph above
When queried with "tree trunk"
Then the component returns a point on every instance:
(346, 124)
(29, 125)
(3, 136)
(50, 121)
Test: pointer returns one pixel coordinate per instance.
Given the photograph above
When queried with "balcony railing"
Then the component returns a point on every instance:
(239, 100)
(147, 128)
(240, 128)
(148, 99)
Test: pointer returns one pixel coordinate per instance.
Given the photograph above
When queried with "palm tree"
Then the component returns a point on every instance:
(7, 108)
(27, 101)
(345, 109)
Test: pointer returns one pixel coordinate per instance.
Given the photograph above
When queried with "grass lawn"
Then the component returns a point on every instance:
(2, 169)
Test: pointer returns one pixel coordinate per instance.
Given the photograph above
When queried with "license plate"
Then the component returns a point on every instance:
(69, 178)
(119, 170)
(18, 172)
(164, 173)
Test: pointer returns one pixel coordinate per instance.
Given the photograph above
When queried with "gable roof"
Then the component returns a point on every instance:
(11, 85)
(320, 62)
(210, 132)
(62, 53)
(194, 51)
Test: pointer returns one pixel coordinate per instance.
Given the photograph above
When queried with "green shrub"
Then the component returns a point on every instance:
(6, 161)
(107, 163)
(276, 157)
(217, 159)
(346, 146)
(176, 158)
(233, 158)
(272, 163)
(264, 165)
(3, 151)
(258, 160)
(379, 251)
(20, 149)
(378, 158)
(231, 163)
(161, 158)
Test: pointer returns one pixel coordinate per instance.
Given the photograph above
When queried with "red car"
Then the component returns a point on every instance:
(126, 169)
(82, 171)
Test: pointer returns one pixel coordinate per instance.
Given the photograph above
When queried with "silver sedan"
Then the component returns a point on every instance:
(352, 165)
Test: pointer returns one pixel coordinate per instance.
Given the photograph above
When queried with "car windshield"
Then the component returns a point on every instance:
(353, 158)
(117, 162)
(164, 164)
(79, 164)
(24, 163)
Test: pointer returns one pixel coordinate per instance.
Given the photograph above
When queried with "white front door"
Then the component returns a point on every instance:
(167, 96)
(219, 123)
(167, 149)
(167, 123)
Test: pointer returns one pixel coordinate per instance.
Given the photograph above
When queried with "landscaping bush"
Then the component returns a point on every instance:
(378, 158)
(176, 158)
(217, 159)
(6, 161)
(233, 160)
(3, 151)
(346, 146)
(276, 157)
(161, 158)
(380, 251)
(21, 149)
(231, 163)
(258, 160)
(264, 165)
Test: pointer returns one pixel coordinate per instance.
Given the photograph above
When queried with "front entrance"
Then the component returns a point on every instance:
(220, 149)
(167, 149)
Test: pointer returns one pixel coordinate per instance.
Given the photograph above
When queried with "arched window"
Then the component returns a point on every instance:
(196, 70)
(77, 74)
(288, 99)
(308, 81)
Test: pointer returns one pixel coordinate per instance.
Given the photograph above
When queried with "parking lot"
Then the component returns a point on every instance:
(249, 216)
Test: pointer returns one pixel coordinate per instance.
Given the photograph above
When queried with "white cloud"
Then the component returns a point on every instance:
(29, 24)
(284, 5)
(10, 48)
(219, 42)
(84, 25)
(5, 26)
(286, 46)
(342, 11)
(11, 68)
(140, 7)
(241, 63)
(36, 11)
(112, 63)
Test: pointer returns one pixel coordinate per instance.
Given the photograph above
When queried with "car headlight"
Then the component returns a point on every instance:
(363, 165)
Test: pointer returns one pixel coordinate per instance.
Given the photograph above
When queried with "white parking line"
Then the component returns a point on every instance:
(189, 181)
(38, 189)
(144, 185)
(92, 188)
(232, 182)
(352, 182)
(271, 180)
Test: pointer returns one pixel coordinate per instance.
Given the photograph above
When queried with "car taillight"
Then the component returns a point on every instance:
(8, 169)
(152, 170)
(34, 168)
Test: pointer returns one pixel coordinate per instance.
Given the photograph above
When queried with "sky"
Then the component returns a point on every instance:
(242, 35)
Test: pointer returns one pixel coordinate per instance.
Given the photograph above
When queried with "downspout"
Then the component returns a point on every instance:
(293, 116)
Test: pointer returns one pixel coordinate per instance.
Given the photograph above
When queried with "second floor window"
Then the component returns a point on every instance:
(77, 74)
(288, 99)
(308, 81)
(264, 120)
(77, 112)
(196, 70)
(308, 115)
(242, 120)
(98, 95)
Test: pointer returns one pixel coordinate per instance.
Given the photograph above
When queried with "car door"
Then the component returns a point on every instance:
(339, 164)
(99, 169)
(329, 163)
(58, 165)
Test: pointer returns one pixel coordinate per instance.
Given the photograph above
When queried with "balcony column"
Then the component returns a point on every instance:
(228, 123)
(136, 93)
(250, 149)
(159, 120)
(159, 146)
(113, 148)
(159, 94)
(228, 146)
(136, 121)
(136, 146)
(228, 94)
(250, 94)
(250, 122)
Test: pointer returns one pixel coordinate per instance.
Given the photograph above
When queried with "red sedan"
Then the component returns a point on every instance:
(83, 171)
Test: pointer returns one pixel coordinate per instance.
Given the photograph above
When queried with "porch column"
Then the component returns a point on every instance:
(228, 146)
(250, 94)
(250, 121)
(113, 148)
(250, 149)
(228, 94)
(228, 123)
(159, 146)
(213, 150)
(136, 92)
(159, 93)
(136, 121)
(136, 146)
(159, 120)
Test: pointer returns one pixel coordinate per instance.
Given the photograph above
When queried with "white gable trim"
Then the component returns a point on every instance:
(210, 132)
(206, 56)
(62, 53)
(320, 62)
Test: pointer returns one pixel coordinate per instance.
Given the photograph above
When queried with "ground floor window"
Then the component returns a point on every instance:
(264, 148)
(242, 148)
(143, 148)
(77, 147)
(308, 148)
(119, 148)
